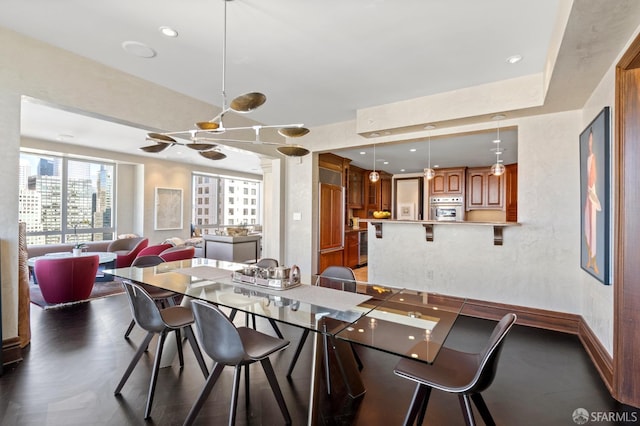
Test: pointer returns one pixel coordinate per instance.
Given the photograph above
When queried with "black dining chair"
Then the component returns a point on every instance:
(237, 347)
(163, 298)
(461, 373)
(161, 322)
(339, 278)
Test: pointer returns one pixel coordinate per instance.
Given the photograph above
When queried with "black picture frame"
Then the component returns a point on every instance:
(595, 147)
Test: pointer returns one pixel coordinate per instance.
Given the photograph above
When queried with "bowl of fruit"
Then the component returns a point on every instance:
(381, 215)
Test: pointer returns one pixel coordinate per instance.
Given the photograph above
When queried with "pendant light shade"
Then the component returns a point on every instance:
(374, 176)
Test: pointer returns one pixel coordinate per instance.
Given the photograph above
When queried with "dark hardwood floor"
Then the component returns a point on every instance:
(77, 356)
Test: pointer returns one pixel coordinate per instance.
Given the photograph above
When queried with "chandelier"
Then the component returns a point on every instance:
(206, 136)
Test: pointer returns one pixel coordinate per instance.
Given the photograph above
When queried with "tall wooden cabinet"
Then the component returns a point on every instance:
(511, 192)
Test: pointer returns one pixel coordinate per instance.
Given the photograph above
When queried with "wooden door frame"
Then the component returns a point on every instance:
(626, 309)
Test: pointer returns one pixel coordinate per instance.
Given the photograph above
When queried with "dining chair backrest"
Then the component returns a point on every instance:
(144, 309)
(267, 262)
(147, 260)
(338, 277)
(488, 364)
(219, 337)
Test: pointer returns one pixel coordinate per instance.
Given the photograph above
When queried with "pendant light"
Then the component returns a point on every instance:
(206, 137)
(374, 176)
(429, 173)
(498, 168)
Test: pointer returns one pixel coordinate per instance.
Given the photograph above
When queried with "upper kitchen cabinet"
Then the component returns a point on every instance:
(378, 194)
(447, 182)
(484, 189)
(355, 187)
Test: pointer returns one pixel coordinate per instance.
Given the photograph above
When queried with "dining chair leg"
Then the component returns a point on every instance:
(247, 394)
(129, 329)
(179, 343)
(275, 387)
(204, 394)
(188, 331)
(418, 402)
(483, 409)
(303, 338)
(465, 403)
(234, 395)
(141, 350)
(154, 374)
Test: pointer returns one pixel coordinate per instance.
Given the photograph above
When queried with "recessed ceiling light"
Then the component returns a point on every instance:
(429, 127)
(385, 162)
(436, 166)
(402, 170)
(498, 117)
(514, 59)
(363, 152)
(138, 49)
(168, 31)
(63, 137)
(374, 135)
(413, 150)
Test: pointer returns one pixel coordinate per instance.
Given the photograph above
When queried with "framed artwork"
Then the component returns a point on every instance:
(406, 211)
(594, 197)
(168, 214)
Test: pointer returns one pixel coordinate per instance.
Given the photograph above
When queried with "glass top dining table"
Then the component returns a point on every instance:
(399, 321)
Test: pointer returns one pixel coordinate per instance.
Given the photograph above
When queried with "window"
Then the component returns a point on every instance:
(64, 200)
(220, 194)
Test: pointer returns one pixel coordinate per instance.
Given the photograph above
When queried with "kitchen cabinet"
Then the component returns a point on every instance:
(484, 189)
(331, 216)
(355, 188)
(351, 249)
(378, 194)
(448, 182)
(511, 192)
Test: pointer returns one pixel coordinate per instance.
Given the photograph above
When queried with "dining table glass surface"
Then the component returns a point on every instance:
(404, 322)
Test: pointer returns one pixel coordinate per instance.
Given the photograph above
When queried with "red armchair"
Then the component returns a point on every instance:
(127, 249)
(178, 253)
(154, 249)
(66, 279)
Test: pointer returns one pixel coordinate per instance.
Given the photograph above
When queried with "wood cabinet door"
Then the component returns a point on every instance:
(352, 250)
(385, 193)
(484, 189)
(511, 193)
(331, 215)
(355, 188)
(448, 182)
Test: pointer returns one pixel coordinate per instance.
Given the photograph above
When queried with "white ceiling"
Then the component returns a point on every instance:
(318, 62)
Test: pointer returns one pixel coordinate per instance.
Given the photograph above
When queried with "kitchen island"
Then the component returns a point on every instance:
(233, 248)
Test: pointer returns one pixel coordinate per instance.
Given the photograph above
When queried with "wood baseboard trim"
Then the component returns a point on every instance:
(11, 351)
(598, 354)
(531, 317)
(549, 320)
